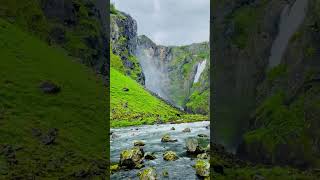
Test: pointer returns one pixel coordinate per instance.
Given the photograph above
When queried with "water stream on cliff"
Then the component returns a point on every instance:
(200, 68)
(291, 18)
(151, 135)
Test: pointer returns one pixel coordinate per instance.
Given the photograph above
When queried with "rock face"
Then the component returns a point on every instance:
(131, 158)
(170, 72)
(272, 110)
(123, 38)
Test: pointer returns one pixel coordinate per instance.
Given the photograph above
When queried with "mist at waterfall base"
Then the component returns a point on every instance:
(156, 75)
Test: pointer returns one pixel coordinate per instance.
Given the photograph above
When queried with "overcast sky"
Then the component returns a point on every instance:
(169, 22)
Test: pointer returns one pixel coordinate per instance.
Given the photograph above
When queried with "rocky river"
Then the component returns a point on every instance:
(182, 168)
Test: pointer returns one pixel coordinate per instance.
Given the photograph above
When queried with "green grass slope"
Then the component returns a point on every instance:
(137, 106)
(78, 111)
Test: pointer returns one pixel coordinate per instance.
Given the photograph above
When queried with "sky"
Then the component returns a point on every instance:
(170, 22)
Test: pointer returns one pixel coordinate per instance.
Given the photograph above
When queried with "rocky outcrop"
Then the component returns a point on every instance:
(123, 39)
(272, 110)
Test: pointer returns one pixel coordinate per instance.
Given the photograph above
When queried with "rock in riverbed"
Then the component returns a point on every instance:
(170, 156)
(167, 138)
(150, 156)
(186, 130)
(139, 143)
(131, 158)
(148, 174)
(202, 168)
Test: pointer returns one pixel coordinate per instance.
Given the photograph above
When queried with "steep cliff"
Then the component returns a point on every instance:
(123, 39)
(178, 74)
(267, 91)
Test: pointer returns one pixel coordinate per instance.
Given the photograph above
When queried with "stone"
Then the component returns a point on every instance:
(173, 128)
(114, 168)
(131, 158)
(167, 138)
(125, 89)
(49, 87)
(139, 143)
(202, 168)
(50, 137)
(186, 130)
(170, 156)
(150, 156)
(148, 174)
(165, 173)
(192, 145)
(202, 135)
(203, 156)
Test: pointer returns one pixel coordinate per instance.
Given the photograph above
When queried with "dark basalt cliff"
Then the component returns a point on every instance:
(271, 111)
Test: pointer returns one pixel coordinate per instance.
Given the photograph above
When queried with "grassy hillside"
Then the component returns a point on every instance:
(131, 104)
(77, 112)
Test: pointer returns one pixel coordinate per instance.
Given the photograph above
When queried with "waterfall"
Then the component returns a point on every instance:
(291, 18)
(200, 69)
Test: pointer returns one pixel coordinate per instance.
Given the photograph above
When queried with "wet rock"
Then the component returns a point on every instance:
(167, 138)
(114, 136)
(192, 145)
(186, 130)
(131, 158)
(165, 173)
(125, 89)
(202, 168)
(150, 156)
(173, 128)
(203, 135)
(50, 137)
(148, 174)
(170, 156)
(139, 143)
(203, 156)
(49, 87)
(114, 168)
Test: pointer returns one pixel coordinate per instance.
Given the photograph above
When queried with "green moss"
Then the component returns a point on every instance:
(199, 102)
(310, 51)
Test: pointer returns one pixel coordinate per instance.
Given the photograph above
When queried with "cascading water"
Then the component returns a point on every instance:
(200, 68)
(291, 18)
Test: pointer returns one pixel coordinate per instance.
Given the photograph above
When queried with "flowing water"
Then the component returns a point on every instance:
(200, 69)
(151, 135)
(291, 18)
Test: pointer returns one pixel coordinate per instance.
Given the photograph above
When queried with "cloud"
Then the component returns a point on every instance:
(170, 22)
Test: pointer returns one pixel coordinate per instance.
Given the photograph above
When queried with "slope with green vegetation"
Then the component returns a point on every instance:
(48, 136)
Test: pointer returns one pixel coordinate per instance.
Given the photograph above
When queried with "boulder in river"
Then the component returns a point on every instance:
(192, 144)
(150, 156)
(203, 156)
(202, 135)
(139, 143)
(148, 174)
(167, 138)
(131, 158)
(186, 130)
(173, 128)
(170, 156)
(114, 168)
(202, 168)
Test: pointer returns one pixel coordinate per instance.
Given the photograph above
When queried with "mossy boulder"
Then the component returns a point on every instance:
(202, 168)
(114, 168)
(148, 174)
(170, 156)
(203, 156)
(131, 158)
(196, 145)
(167, 138)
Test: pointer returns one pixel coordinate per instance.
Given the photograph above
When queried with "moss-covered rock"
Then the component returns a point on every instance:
(167, 138)
(170, 156)
(138, 143)
(131, 158)
(202, 168)
(148, 174)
